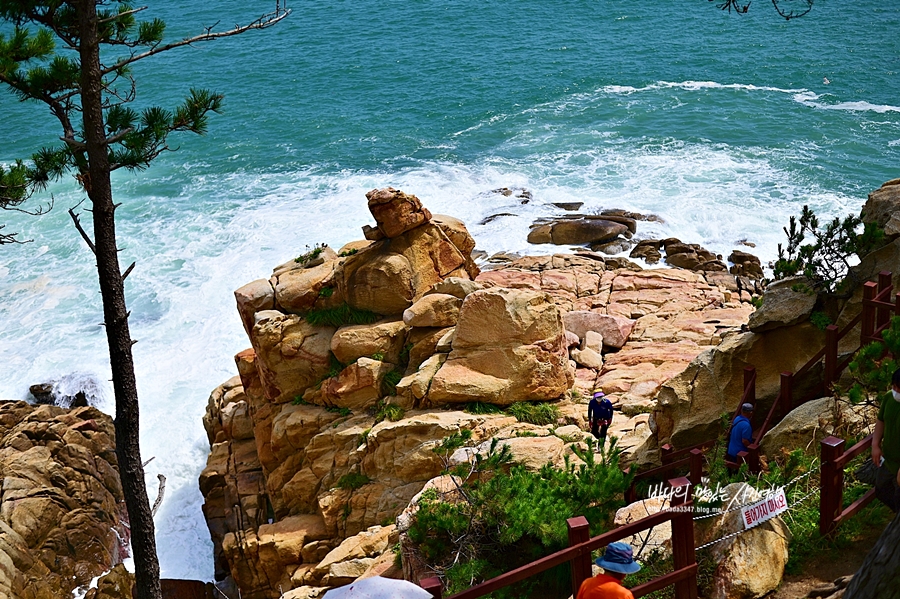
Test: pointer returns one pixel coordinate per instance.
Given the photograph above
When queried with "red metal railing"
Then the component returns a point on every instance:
(874, 317)
(831, 483)
(578, 554)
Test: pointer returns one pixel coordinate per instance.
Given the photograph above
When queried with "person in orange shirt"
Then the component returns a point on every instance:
(617, 562)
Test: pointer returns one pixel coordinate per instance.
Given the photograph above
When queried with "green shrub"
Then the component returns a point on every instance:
(352, 481)
(310, 254)
(379, 355)
(326, 291)
(871, 369)
(340, 316)
(820, 320)
(343, 412)
(508, 516)
(346, 253)
(539, 413)
(388, 411)
(825, 260)
(389, 382)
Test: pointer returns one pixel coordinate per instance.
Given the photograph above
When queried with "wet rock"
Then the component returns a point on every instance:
(648, 250)
(576, 231)
(745, 265)
(569, 206)
(617, 246)
(42, 393)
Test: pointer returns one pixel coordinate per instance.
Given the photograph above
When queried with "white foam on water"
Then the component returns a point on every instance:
(223, 231)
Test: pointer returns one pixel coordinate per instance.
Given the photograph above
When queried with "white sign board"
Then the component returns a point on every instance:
(764, 509)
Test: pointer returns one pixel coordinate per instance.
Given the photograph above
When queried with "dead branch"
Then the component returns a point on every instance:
(128, 271)
(84, 235)
(159, 495)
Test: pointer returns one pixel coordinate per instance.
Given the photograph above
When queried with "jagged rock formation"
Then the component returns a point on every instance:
(361, 358)
(62, 520)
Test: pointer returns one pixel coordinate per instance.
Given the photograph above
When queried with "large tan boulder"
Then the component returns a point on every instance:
(358, 386)
(883, 208)
(355, 341)
(433, 310)
(614, 329)
(292, 354)
(281, 544)
(297, 290)
(785, 303)
(379, 281)
(509, 346)
(370, 543)
(414, 387)
(804, 427)
(690, 405)
(252, 298)
(396, 212)
(751, 564)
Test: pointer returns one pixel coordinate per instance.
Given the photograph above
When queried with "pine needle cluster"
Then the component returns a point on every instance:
(505, 515)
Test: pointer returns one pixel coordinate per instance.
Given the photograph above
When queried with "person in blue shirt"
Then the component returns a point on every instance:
(741, 434)
(600, 414)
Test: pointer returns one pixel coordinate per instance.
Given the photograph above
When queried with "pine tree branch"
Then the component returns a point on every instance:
(263, 22)
(84, 235)
(121, 14)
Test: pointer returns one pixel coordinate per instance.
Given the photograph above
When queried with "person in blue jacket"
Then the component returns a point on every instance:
(600, 414)
(741, 434)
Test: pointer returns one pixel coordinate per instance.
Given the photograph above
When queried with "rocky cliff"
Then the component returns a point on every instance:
(62, 520)
(364, 358)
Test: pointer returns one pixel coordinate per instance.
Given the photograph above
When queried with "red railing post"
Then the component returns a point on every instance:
(787, 393)
(665, 453)
(579, 532)
(432, 585)
(696, 466)
(831, 484)
(883, 314)
(831, 354)
(750, 384)
(752, 458)
(683, 535)
(897, 305)
(867, 330)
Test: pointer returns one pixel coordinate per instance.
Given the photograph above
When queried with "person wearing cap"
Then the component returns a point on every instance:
(741, 434)
(600, 413)
(617, 562)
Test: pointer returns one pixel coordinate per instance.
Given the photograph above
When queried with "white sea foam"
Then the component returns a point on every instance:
(802, 96)
(193, 250)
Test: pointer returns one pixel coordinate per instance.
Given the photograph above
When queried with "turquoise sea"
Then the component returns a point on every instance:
(722, 125)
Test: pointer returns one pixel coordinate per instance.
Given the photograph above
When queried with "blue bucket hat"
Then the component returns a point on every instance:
(618, 558)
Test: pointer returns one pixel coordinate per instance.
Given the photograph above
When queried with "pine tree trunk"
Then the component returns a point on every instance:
(112, 290)
(879, 576)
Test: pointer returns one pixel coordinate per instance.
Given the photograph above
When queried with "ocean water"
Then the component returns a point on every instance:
(722, 125)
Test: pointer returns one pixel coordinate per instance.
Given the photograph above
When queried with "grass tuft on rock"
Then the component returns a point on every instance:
(340, 316)
(539, 413)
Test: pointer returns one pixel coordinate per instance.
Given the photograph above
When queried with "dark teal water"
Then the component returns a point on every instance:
(721, 124)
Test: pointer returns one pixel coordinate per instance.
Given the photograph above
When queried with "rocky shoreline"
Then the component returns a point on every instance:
(364, 358)
(325, 436)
